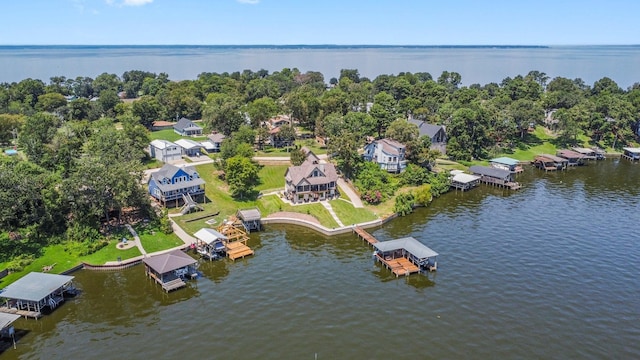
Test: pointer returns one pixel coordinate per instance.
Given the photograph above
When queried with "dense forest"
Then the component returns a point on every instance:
(83, 146)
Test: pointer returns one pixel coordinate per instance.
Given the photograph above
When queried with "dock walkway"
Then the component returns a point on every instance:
(364, 235)
(24, 313)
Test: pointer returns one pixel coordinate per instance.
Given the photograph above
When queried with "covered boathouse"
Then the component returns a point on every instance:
(35, 292)
(405, 256)
(495, 176)
(250, 219)
(506, 163)
(171, 269)
(462, 181)
(210, 244)
(548, 162)
(589, 154)
(632, 154)
(573, 157)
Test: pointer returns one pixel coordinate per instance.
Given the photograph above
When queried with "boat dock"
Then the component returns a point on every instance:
(364, 235)
(24, 313)
(237, 250)
(236, 242)
(403, 256)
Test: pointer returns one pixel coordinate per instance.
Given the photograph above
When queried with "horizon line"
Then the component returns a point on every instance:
(329, 45)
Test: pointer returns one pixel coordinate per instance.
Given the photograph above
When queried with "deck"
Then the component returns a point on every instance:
(400, 266)
(24, 313)
(170, 285)
(237, 250)
(364, 235)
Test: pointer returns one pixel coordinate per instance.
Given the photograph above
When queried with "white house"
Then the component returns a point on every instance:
(189, 147)
(389, 154)
(165, 151)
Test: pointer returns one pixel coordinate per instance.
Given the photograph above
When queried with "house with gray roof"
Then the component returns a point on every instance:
(171, 269)
(311, 181)
(437, 134)
(176, 184)
(387, 153)
(165, 151)
(186, 127)
(215, 141)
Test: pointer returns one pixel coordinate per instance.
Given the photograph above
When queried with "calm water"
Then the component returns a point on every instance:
(547, 272)
(476, 64)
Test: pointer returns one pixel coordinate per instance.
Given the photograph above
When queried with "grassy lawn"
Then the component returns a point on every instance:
(350, 215)
(170, 135)
(272, 177)
(155, 240)
(110, 253)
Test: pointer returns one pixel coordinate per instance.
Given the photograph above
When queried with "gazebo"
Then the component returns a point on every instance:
(36, 291)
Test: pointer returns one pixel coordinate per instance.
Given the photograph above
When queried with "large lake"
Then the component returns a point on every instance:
(481, 65)
(548, 272)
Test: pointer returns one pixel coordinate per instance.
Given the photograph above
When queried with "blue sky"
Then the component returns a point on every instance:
(388, 22)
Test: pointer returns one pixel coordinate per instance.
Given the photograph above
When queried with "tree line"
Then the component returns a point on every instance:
(81, 172)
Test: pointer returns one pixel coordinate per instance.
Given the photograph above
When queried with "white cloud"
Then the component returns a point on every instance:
(252, 2)
(136, 2)
(128, 2)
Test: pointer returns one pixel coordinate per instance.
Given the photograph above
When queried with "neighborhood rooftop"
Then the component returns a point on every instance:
(489, 171)
(505, 160)
(209, 236)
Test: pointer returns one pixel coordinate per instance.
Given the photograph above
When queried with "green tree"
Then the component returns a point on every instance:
(297, 157)
(245, 134)
(242, 176)
(383, 111)
(50, 102)
(261, 110)
(148, 109)
(222, 112)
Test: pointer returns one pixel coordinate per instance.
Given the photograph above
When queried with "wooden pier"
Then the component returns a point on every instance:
(237, 250)
(24, 313)
(400, 266)
(364, 235)
(236, 243)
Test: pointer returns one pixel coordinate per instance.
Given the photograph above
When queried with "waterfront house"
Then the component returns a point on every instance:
(165, 151)
(186, 127)
(190, 147)
(179, 184)
(37, 291)
(276, 140)
(216, 142)
(631, 153)
(506, 163)
(171, 269)
(548, 162)
(573, 157)
(387, 153)
(495, 176)
(437, 134)
(311, 181)
(278, 121)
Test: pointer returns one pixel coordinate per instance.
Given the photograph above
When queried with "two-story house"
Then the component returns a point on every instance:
(186, 127)
(387, 153)
(437, 134)
(165, 151)
(311, 181)
(175, 184)
(214, 142)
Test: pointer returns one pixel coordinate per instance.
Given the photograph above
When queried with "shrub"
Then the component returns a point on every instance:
(19, 262)
(404, 204)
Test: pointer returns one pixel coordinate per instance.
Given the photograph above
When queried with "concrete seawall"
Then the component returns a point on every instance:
(325, 230)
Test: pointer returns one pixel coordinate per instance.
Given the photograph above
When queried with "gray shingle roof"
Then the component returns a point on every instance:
(296, 174)
(425, 128)
(168, 171)
(186, 124)
(491, 172)
(170, 261)
(249, 214)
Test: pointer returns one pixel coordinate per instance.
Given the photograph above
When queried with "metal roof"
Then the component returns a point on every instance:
(209, 236)
(7, 319)
(491, 172)
(249, 214)
(465, 178)
(35, 286)
(188, 144)
(170, 261)
(410, 244)
(632, 150)
(505, 160)
(161, 144)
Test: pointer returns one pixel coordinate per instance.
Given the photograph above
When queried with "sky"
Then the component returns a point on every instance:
(339, 22)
